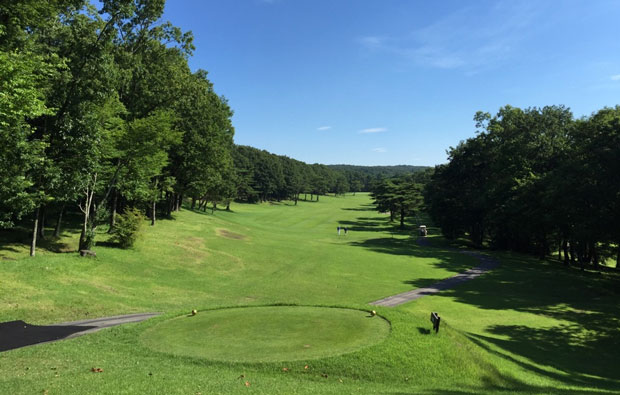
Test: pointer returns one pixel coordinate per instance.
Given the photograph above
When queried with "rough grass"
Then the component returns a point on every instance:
(528, 326)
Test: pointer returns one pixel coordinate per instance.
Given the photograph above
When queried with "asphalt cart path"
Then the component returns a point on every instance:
(16, 334)
(486, 263)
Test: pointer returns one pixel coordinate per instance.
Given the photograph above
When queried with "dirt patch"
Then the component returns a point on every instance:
(194, 246)
(230, 235)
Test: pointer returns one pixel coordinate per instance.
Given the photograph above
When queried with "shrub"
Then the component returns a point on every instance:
(89, 240)
(128, 227)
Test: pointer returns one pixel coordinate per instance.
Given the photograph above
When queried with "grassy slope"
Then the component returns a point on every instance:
(527, 326)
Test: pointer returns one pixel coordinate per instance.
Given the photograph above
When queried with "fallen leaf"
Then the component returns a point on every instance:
(247, 383)
(306, 367)
(242, 376)
(96, 370)
(323, 375)
(340, 380)
(285, 369)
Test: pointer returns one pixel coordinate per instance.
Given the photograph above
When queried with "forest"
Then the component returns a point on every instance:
(535, 180)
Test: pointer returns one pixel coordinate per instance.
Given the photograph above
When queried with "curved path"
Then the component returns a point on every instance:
(486, 263)
(16, 334)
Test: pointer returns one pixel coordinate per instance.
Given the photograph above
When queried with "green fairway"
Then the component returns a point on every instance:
(270, 333)
(527, 326)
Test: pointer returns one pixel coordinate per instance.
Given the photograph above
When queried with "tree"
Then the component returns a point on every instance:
(400, 196)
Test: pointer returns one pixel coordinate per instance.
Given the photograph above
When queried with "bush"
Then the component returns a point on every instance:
(128, 227)
(89, 240)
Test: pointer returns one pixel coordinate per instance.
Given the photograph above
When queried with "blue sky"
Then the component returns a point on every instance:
(386, 82)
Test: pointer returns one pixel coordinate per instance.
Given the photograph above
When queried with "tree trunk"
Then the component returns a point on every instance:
(59, 221)
(544, 246)
(213, 207)
(228, 206)
(565, 248)
(179, 202)
(153, 211)
(317, 197)
(618, 257)
(35, 229)
(88, 204)
(113, 213)
(42, 223)
(193, 203)
(594, 254)
(402, 217)
(83, 234)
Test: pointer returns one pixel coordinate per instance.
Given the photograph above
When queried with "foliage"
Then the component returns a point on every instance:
(399, 196)
(534, 180)
(101, 102)
(363, 178)
(128, 227)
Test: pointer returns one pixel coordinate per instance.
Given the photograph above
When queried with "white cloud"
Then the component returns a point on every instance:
(380, 149)
(464, 39)
(373, 130)
(372, 42)
(615, 77)
(324, 128)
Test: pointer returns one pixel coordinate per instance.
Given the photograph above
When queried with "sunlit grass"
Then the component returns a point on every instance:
(527, 326)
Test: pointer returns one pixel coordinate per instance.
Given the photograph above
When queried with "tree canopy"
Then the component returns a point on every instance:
(534, 180)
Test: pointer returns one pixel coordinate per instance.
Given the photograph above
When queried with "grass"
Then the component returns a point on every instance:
(267, 334)
(527, 326)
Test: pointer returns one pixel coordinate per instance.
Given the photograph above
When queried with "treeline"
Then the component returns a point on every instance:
(99, 110)
(535, 180)
(364, 178)
(262, 176)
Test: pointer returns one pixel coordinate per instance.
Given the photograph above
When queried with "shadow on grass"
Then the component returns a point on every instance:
(445, 259)
(363, 207)
(375, 224)
(108, 243)
(10, 240)
(207, 212)
(582, 349)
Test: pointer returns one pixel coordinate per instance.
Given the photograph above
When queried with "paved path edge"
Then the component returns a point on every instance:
(486, 263)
